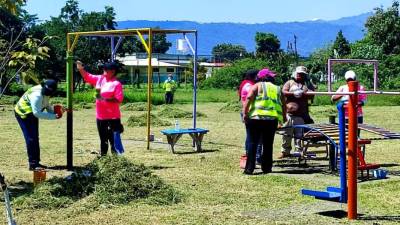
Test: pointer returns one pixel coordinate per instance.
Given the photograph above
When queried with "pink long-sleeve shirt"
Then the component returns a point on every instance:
(109, 88)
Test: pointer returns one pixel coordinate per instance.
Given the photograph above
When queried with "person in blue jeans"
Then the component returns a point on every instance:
(31, 107)
(244, 88)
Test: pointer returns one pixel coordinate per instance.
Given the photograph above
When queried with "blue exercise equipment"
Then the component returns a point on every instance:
(336, 194)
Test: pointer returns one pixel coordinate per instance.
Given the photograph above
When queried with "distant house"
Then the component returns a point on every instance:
(163, 64)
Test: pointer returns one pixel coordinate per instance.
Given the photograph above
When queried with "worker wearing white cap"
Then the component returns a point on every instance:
(362, 98)
(297, 112)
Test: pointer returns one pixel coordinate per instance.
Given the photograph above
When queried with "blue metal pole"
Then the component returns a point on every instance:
(195, 81)
(342, 143)
(112, 49)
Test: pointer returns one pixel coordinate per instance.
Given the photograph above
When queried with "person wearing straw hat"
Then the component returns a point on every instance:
(31, 107)
(296, 110)
(108, 99)
(262, 112)
(362, 98)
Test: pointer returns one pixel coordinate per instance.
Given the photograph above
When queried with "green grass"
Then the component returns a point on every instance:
(180, 96)
(213, 188)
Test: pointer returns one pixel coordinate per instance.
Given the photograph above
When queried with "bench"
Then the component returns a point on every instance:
(173, 135)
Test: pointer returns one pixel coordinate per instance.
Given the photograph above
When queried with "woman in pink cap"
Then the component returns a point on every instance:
(108, 99)
(262, 113)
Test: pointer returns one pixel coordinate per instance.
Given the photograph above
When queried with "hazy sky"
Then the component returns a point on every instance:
(244, 11)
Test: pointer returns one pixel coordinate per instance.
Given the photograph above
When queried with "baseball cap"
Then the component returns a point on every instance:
(265, 73)
(350, 75)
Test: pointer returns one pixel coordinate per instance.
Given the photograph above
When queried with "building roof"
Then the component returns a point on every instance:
(133, 61)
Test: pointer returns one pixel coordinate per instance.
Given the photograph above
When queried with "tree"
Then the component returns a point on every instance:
(365, 49)
(341, 46)
(12, 6)
(228, 52)
(159, 42)
(383, 28)
(268, 44)
(20, 50)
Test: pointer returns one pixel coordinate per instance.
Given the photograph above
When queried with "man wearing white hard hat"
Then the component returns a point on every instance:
(362, 98)
(296, 110)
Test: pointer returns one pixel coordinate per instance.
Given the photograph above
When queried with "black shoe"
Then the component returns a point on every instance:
(36, 167)
(42, 166)
(247, 172)
(267, 171)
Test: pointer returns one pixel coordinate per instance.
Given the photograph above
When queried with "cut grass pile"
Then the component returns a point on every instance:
(136, 106)
(108, 180)
(175, 112)
(141, 120)
(232, 106)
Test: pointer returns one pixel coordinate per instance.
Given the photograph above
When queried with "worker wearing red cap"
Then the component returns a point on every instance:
(262, 112)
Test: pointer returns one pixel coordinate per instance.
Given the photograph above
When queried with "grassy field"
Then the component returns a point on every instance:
(213, 187)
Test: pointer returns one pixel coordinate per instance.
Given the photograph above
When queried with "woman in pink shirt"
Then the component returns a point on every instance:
(109, 95)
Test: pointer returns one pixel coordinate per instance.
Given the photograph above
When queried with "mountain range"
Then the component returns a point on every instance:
(311, 35)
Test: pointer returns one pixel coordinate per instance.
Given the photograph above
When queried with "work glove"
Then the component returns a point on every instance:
(298, 93)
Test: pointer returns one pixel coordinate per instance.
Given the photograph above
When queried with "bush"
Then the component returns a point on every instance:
(109, 180)
(231, 75)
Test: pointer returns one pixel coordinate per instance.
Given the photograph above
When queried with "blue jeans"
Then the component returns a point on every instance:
(247, 143)
(30, 129)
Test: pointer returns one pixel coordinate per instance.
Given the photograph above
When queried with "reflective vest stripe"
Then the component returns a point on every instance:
(23, 106)
(267, 103)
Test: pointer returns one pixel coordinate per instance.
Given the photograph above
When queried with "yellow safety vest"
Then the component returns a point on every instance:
(267, 103)
(169, 85)
(23, 106)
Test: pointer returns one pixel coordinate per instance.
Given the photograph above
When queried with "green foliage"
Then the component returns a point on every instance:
(267, 44)
(141, 121)
(383, 28)
(107, 180)
(228, 52)
(341, 46)
(231, 75)
(365, 49)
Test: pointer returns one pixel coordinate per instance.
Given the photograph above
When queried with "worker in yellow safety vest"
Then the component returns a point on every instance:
(262, 112)
(28, 110)
(169, 87)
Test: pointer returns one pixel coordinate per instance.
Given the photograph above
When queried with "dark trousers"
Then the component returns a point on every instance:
(261, 131)
(248, 146)
(106, 130)
(169, 97)
(30, 129)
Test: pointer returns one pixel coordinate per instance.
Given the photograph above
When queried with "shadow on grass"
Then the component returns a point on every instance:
(337, 214)
(195, 152)
(160, 167)
(20, 188)
(300, 171)
(64, 168)
(389, 164)
(391, 218)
